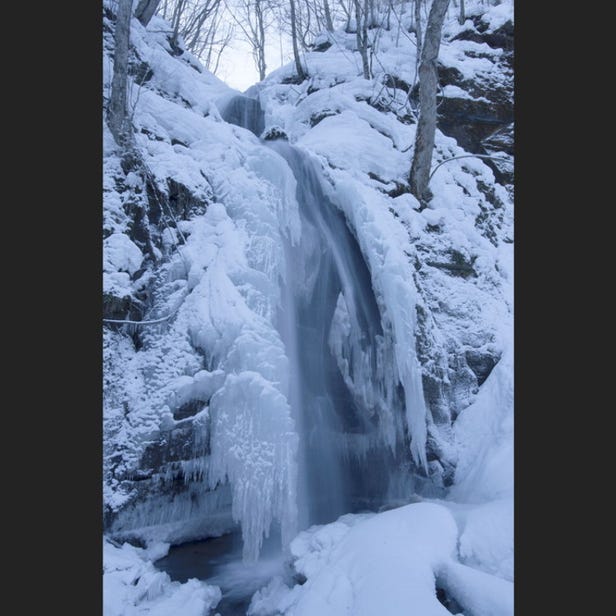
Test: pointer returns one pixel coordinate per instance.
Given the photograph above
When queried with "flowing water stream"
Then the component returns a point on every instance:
(331, 326)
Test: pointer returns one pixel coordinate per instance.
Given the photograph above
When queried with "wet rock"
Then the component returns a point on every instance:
(275, 133)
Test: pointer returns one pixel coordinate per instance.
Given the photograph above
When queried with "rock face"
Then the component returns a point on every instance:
(478, 112)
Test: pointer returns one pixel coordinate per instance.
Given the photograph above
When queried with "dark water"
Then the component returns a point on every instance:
(245, 112)
(327, 267)
(218, 561)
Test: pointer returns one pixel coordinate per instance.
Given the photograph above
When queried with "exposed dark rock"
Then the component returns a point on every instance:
(318, 117)
(481, 363)
(182, 201)
(458, 265)
(501, 144)
(150, 135)
(294, 80)
(140, 71)
(188, 410)
(376, 178)
(119, 308)
(392, 81)
(447, 75)
(183, 442)
(400, 189)
(176, 49)
(275, 133)
(323, 46)
(450, 604)
(501, 141)
(139, 227)
(470, 122)
(489, 109)
(501, 38)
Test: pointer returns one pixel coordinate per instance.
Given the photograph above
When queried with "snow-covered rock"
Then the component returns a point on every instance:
(132, 586)
(388, 563)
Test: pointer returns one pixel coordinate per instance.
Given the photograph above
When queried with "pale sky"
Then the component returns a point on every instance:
(237, 68)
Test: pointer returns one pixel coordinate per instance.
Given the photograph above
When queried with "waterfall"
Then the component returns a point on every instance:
(245, 112)
(345, 395)
(328, 276)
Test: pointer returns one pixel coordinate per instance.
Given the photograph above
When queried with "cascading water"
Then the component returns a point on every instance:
(328, 279)
(345, 394)
(245, 112)
(344, 391)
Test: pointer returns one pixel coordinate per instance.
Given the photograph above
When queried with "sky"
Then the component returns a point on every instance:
(237, 67)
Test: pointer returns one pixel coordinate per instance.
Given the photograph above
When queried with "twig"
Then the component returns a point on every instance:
(503, 160)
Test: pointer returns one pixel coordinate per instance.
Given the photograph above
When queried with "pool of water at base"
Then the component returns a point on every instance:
(218, 561)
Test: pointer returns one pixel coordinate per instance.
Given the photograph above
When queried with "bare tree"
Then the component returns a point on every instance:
(254, 17)
(329, 24)
(462, 15)
(213, 40)
(312, 17)
(347, 9)
(417, 25)
(145, 10)
(118, 111)
(301, 75)
(428, 84)
(203, 26)
(361, 35)
(196, 15)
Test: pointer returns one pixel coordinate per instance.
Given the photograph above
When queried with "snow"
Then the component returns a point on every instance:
(132, 586)
(383, 564)
(484, 432)
(121, 254)
(223, 350)
(451, 91)
(498, 15)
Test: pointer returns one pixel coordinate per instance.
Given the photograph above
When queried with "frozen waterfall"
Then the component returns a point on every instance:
(344, 389)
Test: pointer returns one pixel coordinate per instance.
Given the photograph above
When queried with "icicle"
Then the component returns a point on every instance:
(254, 447)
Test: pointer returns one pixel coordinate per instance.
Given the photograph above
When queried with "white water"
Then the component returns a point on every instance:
(328, 276)
(345, 396)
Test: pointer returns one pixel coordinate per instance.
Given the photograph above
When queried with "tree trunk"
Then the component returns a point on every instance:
(261, 42)
(364, 38)
(329, 24)
(145, 10)
(298, 65)
(428, 84)
(175, 22)
(418, 35)
(362, 45)
(118, 112)
(462, 17)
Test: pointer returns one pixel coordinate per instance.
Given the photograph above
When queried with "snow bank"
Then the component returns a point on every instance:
(132, 586)
(387, 564)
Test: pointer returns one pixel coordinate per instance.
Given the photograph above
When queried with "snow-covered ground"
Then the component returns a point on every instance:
(218, 272)
(132, 586)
